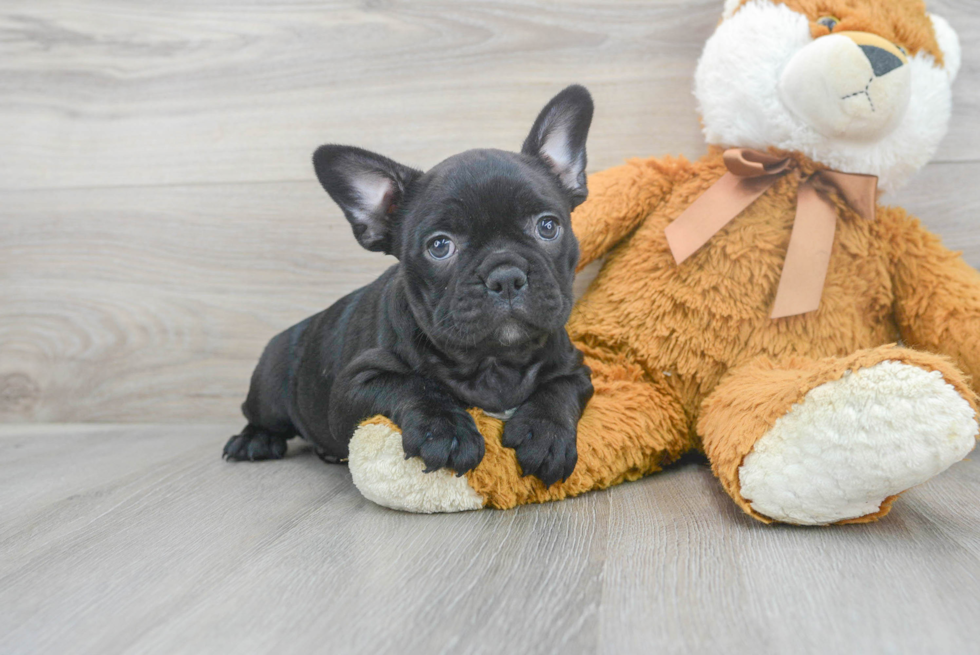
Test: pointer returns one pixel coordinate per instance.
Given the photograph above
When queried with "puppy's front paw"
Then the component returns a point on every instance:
(545, 448)
(444, 440)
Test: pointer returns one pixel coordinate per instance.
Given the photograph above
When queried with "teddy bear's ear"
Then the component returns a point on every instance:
(949, 43)
(558, 139)
(731, 6)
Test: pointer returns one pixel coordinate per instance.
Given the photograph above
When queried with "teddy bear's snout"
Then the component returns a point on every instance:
(853, 85)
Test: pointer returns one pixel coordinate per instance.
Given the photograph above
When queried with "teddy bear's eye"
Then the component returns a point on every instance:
(829, 22)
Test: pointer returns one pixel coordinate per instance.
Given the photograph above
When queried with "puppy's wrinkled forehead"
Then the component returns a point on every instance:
(485, 189)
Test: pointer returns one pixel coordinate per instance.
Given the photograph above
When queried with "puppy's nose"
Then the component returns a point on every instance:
(506, 281)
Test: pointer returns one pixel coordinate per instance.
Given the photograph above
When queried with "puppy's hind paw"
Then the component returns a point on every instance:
(254, 444)
(383, 475)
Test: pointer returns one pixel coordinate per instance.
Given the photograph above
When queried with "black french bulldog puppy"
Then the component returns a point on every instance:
(472, 315)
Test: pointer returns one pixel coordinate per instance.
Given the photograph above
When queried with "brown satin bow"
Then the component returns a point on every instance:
(750, 174)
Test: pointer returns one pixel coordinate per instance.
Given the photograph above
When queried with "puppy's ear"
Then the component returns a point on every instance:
(558, 139)
(368, 187)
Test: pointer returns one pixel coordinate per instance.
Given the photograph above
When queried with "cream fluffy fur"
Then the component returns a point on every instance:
(383, 475)
(737, 83)
(856, 441)
(949, 43)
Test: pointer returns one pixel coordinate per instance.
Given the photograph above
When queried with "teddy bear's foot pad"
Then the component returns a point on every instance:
(853, 443)
(382, 474)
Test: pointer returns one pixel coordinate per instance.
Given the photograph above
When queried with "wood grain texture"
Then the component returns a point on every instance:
(159, 219)
(122, 539)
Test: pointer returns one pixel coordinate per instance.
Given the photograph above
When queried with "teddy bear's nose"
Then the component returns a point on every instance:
(882, 61)
(883, 55)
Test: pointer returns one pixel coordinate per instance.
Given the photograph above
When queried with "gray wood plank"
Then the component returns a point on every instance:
(683, 557)
(104, 92)
(240, 92)
(139, 539)
(153, 304)
(193, 553)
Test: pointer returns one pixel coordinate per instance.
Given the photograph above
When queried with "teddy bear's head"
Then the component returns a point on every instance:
(862, 86)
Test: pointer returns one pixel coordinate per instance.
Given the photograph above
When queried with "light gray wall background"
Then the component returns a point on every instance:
(159, 216)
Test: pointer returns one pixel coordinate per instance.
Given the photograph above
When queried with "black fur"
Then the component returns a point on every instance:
(483, 327)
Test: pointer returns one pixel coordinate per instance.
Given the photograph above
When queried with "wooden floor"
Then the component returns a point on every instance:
(121, 539)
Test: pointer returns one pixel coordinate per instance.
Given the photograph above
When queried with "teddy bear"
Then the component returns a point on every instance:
(758, 304)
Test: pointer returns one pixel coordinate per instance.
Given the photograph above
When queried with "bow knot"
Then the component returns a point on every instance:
(750, 174)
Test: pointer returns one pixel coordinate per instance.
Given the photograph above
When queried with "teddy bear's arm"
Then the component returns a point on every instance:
(619, 199)
(937, 294)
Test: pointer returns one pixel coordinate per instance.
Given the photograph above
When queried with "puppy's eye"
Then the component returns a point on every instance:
(830, 22)
(441, 248)
(548, 228)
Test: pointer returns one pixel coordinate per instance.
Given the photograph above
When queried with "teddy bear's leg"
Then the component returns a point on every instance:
(836, 440)
(631, 427)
